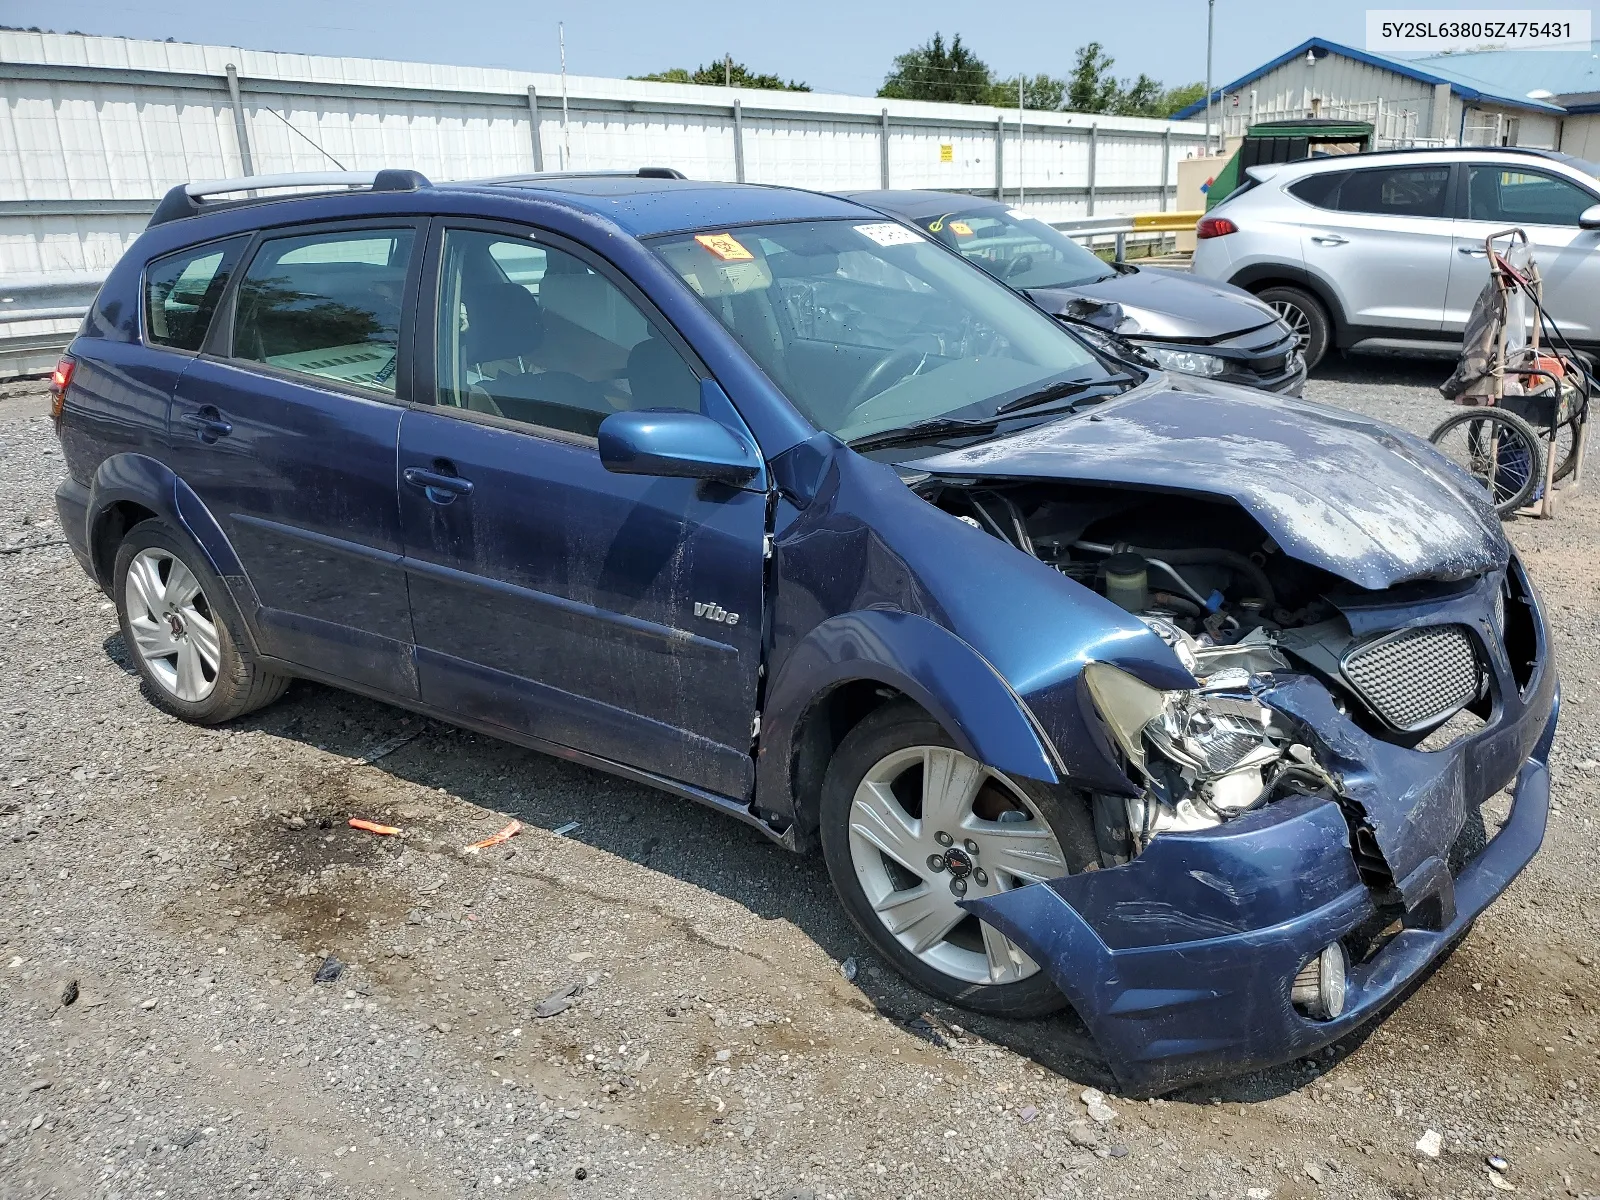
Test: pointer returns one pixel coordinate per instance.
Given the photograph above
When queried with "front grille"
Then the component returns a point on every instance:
(1418, 677)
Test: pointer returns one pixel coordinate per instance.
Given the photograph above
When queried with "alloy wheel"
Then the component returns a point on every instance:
(1295, 318)
(930, 827)
(173, 627)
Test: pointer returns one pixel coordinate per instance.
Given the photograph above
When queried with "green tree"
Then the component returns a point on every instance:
(1040, 92)
(1092, 88)
(1180, 97)
(934, 71)
(717, 73)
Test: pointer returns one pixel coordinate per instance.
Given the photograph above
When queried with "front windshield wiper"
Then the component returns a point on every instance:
(922, 431)
(1059, 391)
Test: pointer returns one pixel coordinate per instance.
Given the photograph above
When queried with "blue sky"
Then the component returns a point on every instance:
(835, 45)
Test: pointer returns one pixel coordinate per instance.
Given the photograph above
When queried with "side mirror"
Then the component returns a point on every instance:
(682, 445)
(1589, 218)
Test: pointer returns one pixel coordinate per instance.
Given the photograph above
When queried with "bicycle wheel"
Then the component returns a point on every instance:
(1498, 449)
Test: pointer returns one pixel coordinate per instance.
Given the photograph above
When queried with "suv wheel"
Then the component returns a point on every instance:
(911, 826)
(1305, 315)
(183, 644)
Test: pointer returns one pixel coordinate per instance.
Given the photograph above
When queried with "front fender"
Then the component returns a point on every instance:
(927, 663)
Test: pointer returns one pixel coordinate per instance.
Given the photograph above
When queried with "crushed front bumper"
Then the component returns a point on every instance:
(1181, 961)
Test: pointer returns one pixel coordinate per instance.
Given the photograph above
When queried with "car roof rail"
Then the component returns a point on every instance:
(631, 173)
(189, 199)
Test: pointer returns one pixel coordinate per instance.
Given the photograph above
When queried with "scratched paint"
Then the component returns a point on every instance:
(1367, 502)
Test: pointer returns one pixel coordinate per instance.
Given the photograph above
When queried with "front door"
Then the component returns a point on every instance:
(1383, 242)
(1546, 207)
(617, 615)
(286, 429)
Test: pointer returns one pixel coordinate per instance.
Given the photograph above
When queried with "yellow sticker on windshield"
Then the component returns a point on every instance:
(960, 229)
(725, 246)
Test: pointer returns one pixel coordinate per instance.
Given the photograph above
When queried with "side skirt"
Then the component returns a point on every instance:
(737, 809)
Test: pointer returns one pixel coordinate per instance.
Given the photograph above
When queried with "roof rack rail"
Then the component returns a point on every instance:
(633, 173)
(186, 200)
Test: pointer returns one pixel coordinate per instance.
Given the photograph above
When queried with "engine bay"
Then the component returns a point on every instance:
(1235, 609)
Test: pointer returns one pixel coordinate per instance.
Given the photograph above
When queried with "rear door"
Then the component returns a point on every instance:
(286, 429)
(619, 615)
(1381, 239)
(1546, 206)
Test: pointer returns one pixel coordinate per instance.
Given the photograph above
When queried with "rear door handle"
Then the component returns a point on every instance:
(1329, 239)
(440, 486)
(207, 423)
(1472, 251)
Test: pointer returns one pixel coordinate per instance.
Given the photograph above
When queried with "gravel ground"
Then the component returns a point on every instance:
(188, 884)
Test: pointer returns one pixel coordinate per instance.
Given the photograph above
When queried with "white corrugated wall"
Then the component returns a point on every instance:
(93, 131)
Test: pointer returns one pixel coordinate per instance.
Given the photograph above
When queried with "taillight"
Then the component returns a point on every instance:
(60, 381)
(1210, 227)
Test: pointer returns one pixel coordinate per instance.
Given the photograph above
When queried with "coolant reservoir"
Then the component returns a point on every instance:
(1128, 581)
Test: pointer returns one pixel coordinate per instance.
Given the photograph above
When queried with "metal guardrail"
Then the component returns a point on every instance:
(1121, 226)
(25, 299)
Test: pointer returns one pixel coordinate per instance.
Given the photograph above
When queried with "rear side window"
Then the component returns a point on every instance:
(326, 305)
(181, 292)
(1320, 190)
(1392, 191)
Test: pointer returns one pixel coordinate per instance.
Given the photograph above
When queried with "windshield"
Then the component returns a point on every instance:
(868, 326)
(1018, 248)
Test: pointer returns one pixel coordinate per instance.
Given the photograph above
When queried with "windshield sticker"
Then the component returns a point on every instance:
(1018, 214)
(888, 233)
(725, 246)
(960, 229)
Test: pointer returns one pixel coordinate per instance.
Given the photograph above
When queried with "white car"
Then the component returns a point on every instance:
(1385, 251)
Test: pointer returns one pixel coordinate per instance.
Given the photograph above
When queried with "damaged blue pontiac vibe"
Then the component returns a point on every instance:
(1167, 700)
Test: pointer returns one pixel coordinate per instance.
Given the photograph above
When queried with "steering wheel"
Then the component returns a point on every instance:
(890, 369)
(1020, 265)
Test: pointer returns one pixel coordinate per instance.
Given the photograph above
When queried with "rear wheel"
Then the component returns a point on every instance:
(183, 644)
(911, 826)
(1304, 315)
(1498, 449)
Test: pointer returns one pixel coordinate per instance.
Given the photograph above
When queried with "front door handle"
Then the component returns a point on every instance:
(1329, 239)
(441, 485)
(1472, 251)
(207, 423)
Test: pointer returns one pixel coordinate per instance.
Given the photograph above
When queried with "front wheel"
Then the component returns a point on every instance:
(911, 826)
(182, 643)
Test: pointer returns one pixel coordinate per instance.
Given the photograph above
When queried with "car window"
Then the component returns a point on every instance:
(326, 305)
(1322, 189)
(1016, 246)
(868, 325)
(1520, 197)
(1396, 191)
(181, 292)
(534, 334)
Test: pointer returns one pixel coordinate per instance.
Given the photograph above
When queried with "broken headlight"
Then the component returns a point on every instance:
(1187, 362)
(1204, 755)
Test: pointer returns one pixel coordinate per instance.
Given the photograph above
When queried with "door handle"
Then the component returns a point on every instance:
(1472, 251)
(1329, 239)
(440, 486)
(207, 423)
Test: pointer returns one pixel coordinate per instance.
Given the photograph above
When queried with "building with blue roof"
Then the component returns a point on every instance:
(1548, 99)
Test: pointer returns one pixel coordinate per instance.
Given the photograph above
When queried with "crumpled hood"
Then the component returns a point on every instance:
(1370, 503)
(1167, 304)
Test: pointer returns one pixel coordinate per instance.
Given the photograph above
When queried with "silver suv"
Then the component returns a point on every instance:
(1385, 251)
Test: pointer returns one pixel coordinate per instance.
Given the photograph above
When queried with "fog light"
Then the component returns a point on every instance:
(1318, 989)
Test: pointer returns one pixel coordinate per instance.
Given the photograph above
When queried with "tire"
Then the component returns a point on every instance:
(181, 631)
(1498, 449)
(1305, 315)
(885, 763)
